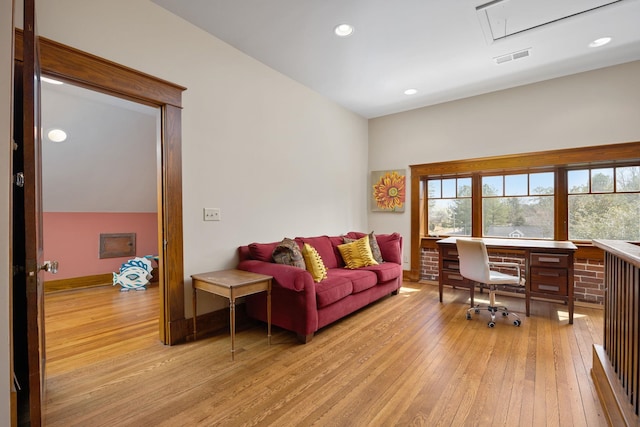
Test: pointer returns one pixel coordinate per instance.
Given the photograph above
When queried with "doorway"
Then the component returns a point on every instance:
(73, 66)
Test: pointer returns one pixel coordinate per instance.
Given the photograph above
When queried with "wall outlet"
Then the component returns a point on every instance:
(212, 214)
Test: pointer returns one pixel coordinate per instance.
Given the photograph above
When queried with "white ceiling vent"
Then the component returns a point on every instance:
(512, 56)
(503, 18)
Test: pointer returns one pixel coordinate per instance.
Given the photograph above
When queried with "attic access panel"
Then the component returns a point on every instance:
(116, 245)
(503, 18)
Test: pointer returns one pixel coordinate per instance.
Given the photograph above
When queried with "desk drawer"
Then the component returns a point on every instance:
(449, 251)
(549, 260)
(449, 264)
(453, 277)
(549, 280)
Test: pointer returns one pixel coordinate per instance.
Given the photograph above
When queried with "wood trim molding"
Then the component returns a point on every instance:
(95, 73)
(78, 282)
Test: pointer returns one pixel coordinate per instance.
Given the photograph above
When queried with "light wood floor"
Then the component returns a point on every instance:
(404, 361)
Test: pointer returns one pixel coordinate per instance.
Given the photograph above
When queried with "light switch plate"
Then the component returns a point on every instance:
(212, 214)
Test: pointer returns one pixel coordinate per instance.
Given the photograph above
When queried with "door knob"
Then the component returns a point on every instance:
(50, 266)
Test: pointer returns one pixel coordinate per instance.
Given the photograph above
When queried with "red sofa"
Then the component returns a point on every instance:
(303, 306)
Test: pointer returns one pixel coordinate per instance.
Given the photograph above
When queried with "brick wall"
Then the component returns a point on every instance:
(589, 280)
(588, 274)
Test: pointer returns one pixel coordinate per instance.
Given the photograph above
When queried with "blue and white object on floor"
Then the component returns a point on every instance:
(134, 274)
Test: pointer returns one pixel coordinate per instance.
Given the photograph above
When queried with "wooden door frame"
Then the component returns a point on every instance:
(95, 73)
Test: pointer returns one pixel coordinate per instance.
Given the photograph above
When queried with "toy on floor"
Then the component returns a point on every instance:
(134, 274)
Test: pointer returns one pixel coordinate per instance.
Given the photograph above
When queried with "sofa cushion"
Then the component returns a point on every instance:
(335, 242)
(262, 251)
(373, 243)
(322, 244)
(385, 271)
(288, 253)
(357, 254)
(390, 247)
(314, 263)
(361, 279)
(332, 289)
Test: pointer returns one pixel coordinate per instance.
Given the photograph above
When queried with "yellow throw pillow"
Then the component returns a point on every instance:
(314, 263)
(357, 254)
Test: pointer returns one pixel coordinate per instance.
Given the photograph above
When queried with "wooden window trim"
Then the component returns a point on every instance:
(557, 160)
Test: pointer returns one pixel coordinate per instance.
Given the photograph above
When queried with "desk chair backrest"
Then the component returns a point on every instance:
(473, 260)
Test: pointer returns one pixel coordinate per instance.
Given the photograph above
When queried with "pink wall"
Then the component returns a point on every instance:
(73, 239)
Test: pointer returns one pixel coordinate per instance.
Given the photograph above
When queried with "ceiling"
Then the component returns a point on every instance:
(444, 49)
(108, 161)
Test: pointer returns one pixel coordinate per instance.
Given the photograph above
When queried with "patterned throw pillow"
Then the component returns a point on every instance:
(314, 263)
(373, 243)
(288, 252)
(357, 254)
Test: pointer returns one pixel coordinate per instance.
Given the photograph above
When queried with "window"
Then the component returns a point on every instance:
(579, 193)
(518, 205)
(604, 203)
(449, 210)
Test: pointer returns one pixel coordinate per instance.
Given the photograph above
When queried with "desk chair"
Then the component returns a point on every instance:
(475, 266)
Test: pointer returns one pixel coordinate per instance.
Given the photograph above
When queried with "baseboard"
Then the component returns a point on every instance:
(78, 282)
(617, 410)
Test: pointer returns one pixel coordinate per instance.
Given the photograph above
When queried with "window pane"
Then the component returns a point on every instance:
(492, 186)
(518, 217)
(604, 216)
(516, 185)
(541, 183)
(578, 181)
(464, 187)
(602, 180)
(434, 188)
(628, 179)
(449, 188)
(450, 217)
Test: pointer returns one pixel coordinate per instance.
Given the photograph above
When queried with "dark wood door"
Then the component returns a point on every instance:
(28, 292)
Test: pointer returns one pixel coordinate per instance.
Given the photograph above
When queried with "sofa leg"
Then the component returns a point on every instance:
(396, 292)
(305, 338)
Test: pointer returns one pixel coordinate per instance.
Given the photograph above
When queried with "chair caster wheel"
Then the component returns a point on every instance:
(477, 310)
(492, 324)
(468, 316)
(517, 322)
(505, 314)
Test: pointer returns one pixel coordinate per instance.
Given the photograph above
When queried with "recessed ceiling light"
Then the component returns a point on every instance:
(57, 135)
(51, 81)
(411, 91)
(343, 30)
(600, 42)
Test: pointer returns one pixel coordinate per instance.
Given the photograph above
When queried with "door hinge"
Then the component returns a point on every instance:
(14, 145)
(18, 179)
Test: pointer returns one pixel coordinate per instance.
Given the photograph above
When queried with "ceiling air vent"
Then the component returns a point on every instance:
(512, 56)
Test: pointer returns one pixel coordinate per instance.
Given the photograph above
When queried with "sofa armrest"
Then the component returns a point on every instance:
(287, 276)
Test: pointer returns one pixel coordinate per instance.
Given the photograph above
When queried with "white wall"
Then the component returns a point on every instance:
(6, 87)
(592, 108)
(277, 158)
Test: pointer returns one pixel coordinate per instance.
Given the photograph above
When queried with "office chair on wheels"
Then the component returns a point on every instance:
(475, 266)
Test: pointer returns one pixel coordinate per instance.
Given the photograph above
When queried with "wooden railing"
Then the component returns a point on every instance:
(616, 364)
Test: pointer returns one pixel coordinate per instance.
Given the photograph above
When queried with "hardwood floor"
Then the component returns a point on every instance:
(406, 360)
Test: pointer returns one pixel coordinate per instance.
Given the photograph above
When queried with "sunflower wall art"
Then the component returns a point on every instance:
(388, 192)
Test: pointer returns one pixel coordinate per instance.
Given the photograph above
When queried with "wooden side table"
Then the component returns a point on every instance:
(232, 284)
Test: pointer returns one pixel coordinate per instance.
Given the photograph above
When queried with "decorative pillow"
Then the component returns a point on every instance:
(357, 254)
(288, 252)
(314, 263)
(262, 251)
(373, 244)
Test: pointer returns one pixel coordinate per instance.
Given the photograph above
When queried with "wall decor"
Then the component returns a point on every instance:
(388, 190)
